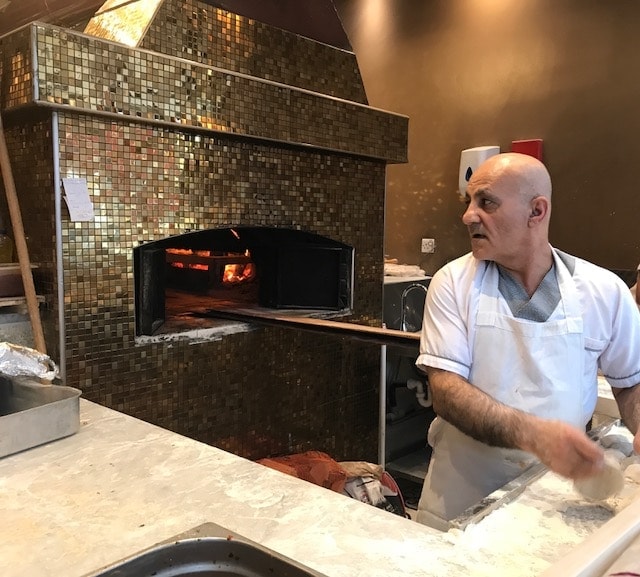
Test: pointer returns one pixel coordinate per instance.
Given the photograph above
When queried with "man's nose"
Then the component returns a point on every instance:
(469, 216)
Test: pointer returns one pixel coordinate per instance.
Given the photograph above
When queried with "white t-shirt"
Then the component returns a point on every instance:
(611, 322)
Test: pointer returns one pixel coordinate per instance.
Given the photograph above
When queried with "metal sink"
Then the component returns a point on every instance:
(208, 550)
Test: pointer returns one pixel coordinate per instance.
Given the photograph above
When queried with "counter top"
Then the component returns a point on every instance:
(120, 485)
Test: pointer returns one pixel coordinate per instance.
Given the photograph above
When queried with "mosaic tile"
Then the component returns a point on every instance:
(82, 72)
(260, 392)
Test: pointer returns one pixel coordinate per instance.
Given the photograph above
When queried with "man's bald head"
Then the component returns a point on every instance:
(521, 172)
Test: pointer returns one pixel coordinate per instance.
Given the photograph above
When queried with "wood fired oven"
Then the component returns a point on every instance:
(240, 267)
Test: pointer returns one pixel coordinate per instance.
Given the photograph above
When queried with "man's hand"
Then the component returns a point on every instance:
(564, 449)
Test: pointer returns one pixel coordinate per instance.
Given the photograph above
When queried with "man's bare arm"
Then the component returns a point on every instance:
(474, 412)
(561, 447)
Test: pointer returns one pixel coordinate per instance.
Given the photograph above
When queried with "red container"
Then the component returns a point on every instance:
(532, 147)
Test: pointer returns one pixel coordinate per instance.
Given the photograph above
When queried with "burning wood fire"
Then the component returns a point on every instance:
(237, 273)
(184, 263)
(229, 268)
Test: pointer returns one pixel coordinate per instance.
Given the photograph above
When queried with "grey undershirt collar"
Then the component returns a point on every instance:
(540, 306)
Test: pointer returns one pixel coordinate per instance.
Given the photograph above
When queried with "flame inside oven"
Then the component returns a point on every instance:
(238, 273)
(235, 268)
(187, 252)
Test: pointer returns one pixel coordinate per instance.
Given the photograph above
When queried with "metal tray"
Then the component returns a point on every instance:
(33, 413)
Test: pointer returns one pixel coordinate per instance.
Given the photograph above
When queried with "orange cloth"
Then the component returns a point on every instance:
(313, 466)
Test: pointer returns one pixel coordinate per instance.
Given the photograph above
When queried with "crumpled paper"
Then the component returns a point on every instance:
(313, 466)
(362, 469)
(18, 361)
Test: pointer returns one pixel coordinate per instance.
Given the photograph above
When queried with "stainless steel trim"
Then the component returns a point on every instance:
(57, 193)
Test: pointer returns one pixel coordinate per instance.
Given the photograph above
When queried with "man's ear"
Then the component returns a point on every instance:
(539, 209)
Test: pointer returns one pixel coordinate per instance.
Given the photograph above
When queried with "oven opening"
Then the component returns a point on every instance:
(181, 280)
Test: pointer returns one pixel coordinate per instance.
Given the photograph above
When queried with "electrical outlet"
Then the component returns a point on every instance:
(428, 245)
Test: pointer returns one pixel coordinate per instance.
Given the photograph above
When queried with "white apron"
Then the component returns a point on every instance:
(536, 367)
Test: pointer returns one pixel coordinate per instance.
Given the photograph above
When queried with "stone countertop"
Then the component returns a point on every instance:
(120, 485)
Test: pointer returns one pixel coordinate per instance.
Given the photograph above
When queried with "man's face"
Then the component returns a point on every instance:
(497, 218)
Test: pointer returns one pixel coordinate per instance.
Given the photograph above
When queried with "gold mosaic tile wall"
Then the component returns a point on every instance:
(148, 183)
(266, 391)
(97, 75)
(206, 34)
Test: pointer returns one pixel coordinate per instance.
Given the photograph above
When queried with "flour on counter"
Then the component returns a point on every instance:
(544, 523)
(526, 536)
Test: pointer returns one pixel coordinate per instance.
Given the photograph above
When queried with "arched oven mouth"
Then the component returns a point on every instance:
(183, 279)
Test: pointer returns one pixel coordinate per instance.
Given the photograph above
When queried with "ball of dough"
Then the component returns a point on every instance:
(605, 484)
(616, 455)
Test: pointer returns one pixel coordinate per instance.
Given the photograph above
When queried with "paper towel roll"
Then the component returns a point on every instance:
(470, 159)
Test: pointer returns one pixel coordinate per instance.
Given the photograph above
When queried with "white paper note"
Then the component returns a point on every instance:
(77, 199)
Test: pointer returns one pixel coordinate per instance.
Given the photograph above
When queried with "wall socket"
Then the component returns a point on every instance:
(428, 245)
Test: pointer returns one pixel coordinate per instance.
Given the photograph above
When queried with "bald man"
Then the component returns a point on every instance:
(513, 336)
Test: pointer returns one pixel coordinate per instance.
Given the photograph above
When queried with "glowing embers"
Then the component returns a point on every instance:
(179, 261)
(226, 268)
(238, 273)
